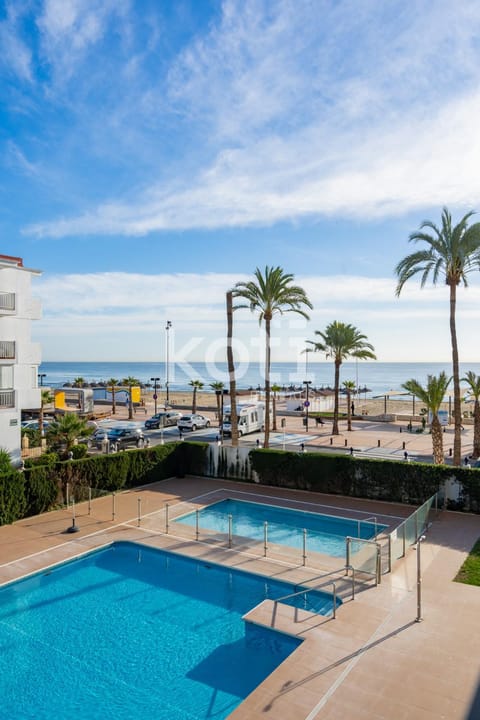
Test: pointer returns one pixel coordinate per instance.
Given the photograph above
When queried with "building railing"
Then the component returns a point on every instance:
(7, 301)
(7, 398)
(7, 349)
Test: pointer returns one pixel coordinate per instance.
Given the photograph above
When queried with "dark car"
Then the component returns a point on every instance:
(119, 438)
(163, 419)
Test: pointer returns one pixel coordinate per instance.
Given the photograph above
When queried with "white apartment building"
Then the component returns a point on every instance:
(19, 357)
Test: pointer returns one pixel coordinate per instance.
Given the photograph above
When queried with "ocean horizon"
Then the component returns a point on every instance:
(372, 378)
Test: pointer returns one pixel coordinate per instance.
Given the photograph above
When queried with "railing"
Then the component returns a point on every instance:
(364, 556)
(368, 519)
(305, 591)
(7, 398)
(7, 349)
(408, 532)
(7, 301)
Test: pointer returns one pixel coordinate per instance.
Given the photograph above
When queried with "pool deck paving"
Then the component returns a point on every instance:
(373, 661)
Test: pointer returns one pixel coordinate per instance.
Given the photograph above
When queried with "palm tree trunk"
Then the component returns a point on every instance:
(274, 409)
(335, 407)
(457, 405)
(114, 406)
(349, 411)
(267, 382)
(194, 401)
(476, 429)
(231, 371)
(130, 404)
(437, 441)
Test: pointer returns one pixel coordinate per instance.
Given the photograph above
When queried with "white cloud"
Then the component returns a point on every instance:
(16, 55)
(108, 315)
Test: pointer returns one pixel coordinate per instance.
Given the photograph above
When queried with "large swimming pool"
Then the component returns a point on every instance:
(325, 533)
(133, 632)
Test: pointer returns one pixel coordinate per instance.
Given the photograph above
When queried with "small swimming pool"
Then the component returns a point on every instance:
(138, 633)
(325, 533)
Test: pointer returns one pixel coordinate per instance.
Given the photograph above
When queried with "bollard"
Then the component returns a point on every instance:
(346, 442)
(450, 452)
(378, 443)
(403, 446)
(400, 429)
(331, 441)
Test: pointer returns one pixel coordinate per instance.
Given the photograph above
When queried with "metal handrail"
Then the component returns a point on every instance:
(307, 590)
(374, 518)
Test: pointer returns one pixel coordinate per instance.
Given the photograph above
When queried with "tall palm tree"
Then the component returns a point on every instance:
(112, 384)
(231, 369)
(473, 382)
(275, 389)
(270, 293)
(46, 398)
(130, 382)
(78, 382)
(350, 387)
(451, 252)
(217, 388)
(196, 385)
(432, 396)
(341, 341)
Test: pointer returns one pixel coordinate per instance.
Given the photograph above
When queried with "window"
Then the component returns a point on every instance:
(6, 377)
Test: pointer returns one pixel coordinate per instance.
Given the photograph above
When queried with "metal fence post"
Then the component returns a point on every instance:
(348, 540)
(229, 531)
(113, 505)
(304, 547)
(89, 500)
(334, 601)
(67, 487)
(139, 503)
(166, 518)
(196, 524)
(265, 538)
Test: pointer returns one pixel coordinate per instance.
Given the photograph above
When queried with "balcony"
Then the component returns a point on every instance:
(7, 303)
(7, 350)
(7, 399)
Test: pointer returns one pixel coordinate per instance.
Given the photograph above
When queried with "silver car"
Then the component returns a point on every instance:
(193, 422)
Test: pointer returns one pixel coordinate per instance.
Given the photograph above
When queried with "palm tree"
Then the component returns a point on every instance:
(66, 430)
(275, 389)
(78, 382)
(196, 385)
(450, 253)
(231, 370)
(46, 398)
(473, 382)
(217, 387)
(432, 396)
(130, 382)
(112, 383)
(350, 387)
(270, 293)
(341, 341)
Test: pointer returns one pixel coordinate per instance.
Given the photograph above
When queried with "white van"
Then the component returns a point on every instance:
(251, 418)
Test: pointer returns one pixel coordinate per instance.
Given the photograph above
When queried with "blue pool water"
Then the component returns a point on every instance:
(133, 632)
(325, 533)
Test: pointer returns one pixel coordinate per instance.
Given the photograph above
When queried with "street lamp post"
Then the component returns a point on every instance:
(167, 364)
(41, 376)
(307, 403)
(155, 386)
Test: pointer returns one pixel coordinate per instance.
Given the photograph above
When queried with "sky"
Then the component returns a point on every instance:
(154, 153)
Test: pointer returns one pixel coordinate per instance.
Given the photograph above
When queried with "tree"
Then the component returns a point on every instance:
(473, 382)
(130, 382)
(350, 387)
(217, 387)
(432, 396)
(78, 382)
(451, 252)
(271, 293)
(66, 430)
(5, 461)
(112, 384)
(341, 341)
(46, 398)
(275, 389)
(196, 385)
(231, 370)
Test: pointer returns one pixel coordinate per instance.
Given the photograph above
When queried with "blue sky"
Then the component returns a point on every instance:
(154, 153)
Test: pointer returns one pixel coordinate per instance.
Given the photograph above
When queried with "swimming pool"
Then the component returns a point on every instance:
(138, 633)
(325, 533)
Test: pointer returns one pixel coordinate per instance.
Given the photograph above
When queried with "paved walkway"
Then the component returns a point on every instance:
(373, 661)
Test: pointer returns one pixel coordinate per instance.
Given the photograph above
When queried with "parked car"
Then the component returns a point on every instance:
(163, 419)
(33, 424)
(118, 437)
(193, 422)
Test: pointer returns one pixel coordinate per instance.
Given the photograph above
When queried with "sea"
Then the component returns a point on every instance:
(372, 379)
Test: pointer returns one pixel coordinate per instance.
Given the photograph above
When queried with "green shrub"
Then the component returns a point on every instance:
(12, 497)
(41, 489)
(49, 459)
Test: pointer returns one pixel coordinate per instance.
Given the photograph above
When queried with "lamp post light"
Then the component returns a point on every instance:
(306, 403)
(155, 386)
(167, 364)
(41, 376)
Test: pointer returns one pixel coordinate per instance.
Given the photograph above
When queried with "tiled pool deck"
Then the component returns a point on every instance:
(373, 661)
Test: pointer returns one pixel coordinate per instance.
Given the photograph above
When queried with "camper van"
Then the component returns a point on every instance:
(251, 418)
